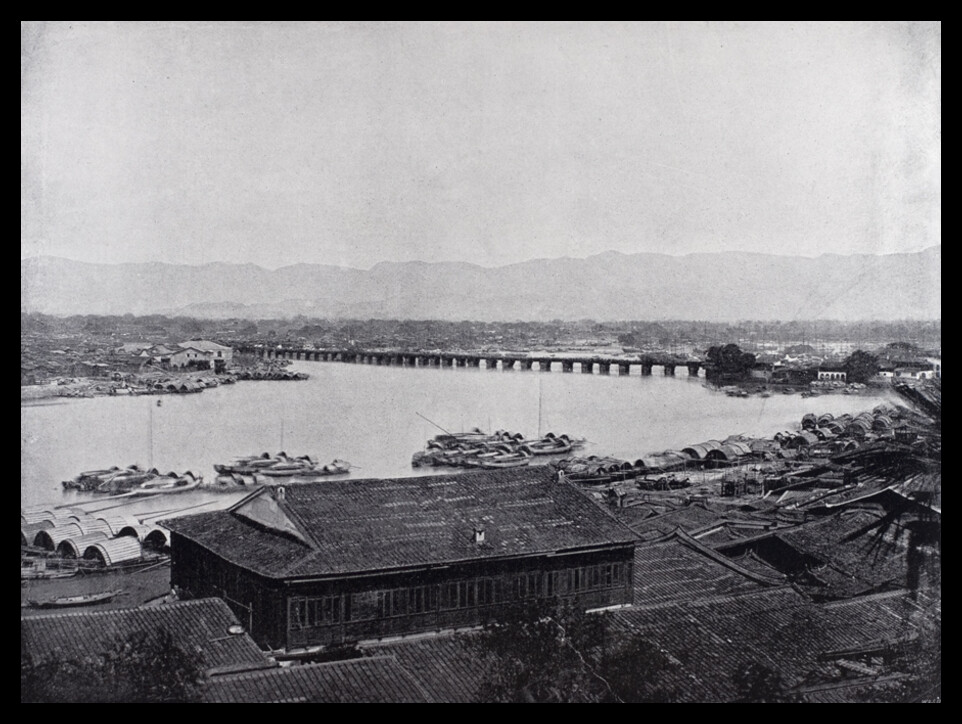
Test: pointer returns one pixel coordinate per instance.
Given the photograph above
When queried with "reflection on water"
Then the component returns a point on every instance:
(368, 415)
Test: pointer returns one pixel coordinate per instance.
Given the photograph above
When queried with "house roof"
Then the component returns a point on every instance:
(687, 518)
(367, 680)
(203, 344)
(709, 639)
(706, 639)
(351, 526)
(445, 666)
(201, 625)
(681, 569)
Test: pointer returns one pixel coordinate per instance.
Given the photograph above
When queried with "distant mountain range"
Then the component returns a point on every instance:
(723, 286)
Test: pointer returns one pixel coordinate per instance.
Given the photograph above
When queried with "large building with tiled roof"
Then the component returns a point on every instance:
(309, 565)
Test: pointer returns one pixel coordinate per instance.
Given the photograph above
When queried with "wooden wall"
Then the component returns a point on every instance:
(297, 613)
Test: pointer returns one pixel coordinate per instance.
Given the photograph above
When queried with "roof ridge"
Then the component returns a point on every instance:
(127, 609)
(712, 600)
(727, 562)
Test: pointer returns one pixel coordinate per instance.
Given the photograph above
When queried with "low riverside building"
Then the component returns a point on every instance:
(833, 374)
(351, 560)
(219, 356)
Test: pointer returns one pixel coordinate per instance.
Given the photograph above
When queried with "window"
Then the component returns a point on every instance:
(298, 613)
(533, 585)
(313, 612)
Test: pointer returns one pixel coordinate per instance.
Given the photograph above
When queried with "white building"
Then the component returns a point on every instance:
(219, 356)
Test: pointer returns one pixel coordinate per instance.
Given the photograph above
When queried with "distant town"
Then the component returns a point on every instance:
(55, 349)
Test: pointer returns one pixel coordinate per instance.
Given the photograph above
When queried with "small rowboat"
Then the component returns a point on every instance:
(87, 599)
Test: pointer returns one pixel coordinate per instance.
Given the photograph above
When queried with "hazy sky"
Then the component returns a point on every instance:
(349, 144)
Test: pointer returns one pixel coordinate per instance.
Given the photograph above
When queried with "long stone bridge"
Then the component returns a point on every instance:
(504, 361)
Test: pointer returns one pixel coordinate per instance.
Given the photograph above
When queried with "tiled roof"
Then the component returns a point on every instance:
(354, 525)
(846, 692)
(676, 571)
(444, 665)
(862, 551)
(202, 345)
(710, 639)
(687, 518)
(706, 641)
(368, 680)
(200, 625)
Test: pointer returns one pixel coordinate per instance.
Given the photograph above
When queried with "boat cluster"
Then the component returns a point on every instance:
(265, 468)
(501, 449)
(270, 374)
(133, 481)
(655, 473)
(821, 436)
(61, 542)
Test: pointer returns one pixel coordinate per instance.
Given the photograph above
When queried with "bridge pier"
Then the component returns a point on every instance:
(604, 368)
(491, 363)
(474, 362)
(461, 361)
(507, 365)
(587, 368)
(526, 364)
(670, 370)
(624, 369)
(567, 366)
(693, 368)
(544, 365)
(646, 369)
(447, 361)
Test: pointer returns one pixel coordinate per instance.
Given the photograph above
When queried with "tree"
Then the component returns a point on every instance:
(638, 671)
(143, 668)
(757, 683)
(543, 652)
(729, 360)
(532, 653)
(860, 366)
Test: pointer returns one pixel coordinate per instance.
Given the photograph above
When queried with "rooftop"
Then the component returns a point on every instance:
(200, 625)
(374, 680)
(348, 526)
(203, 345)
(682, 569)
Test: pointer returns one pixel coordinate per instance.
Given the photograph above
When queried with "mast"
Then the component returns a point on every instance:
(539, 407)
(150, 439)
(433, 423)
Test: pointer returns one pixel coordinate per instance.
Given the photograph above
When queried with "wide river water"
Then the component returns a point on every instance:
(369, 415)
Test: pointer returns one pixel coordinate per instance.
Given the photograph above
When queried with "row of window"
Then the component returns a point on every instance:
(310, 612)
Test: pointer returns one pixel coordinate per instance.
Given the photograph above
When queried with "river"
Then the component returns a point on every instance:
(369, 415)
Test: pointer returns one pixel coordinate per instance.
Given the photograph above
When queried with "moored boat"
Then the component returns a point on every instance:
(266, 468)
(87, 599)
(171, 483)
